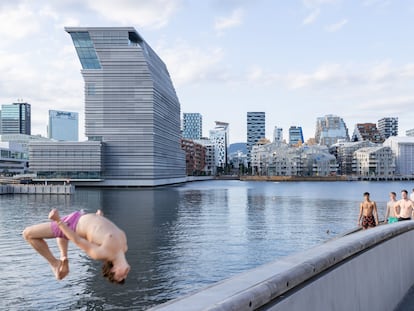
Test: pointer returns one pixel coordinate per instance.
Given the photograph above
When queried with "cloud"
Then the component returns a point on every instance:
(317, 3)
(235, 19)
(377, 76)
(18, 22)
(311, 17)
(154, 13)
(337, 26)
(188, 64)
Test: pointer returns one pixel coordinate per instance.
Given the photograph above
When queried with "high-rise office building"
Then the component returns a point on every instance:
(16, 119)
(330, 129)
(131, 106)
(256, 130)
(409, 132)
(192, 126)
(295, 135)
(277, 134)
(219, 136)
(63, 125)
(388, 127)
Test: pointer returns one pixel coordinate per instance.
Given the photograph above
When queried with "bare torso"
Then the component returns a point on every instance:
(406, 208)
(367, 208)
(101, 231)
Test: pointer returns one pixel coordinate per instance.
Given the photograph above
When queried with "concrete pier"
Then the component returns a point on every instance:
(36, 189)
(366, 270)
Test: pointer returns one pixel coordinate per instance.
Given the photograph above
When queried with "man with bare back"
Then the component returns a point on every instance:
(406, 207)
(97, 236)
(367, 211)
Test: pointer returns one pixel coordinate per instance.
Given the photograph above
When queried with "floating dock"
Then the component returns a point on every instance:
(36, 189)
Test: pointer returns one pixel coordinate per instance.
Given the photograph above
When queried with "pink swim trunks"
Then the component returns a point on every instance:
(71, 221)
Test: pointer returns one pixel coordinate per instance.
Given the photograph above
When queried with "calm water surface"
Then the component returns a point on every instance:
(180, 238)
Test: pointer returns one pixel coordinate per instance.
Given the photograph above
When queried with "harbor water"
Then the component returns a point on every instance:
(180, 238)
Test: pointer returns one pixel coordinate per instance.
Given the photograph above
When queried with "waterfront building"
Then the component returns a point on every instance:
(130, 106)
(219, 136)
(66, 160)
(403, 149)
(344, 153)
(295, 135)
(277, 134)
(367, 131)
(374, 161)
(21, 141)
(210, 162)
(280, 159)
(195, 155)
(13, 160)
(256, 130)
(63, 125)
(409, 132)
(16, 118)
(330, 129)
(388, 127)
(192, 126)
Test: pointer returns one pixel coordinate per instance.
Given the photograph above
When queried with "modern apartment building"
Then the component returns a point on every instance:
(256, 130)
(330, 129)
(295, 135)
(403, 149)
(219, 136)
(130, 106)
(388, 126)
(192, 126)
(367, 131)
(210, 162)
(16, 118)
(63, 125)
(278, 134)
(195, 155)
(374, 161)
(344, 153)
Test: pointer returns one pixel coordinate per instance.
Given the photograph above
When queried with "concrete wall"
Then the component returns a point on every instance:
(367, 270)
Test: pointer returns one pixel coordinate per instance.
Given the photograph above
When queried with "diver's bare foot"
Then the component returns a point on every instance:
(99, 212)
(63, 268)
(55, 268)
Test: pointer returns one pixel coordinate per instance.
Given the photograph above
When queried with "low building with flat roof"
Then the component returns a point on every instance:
(74, 161)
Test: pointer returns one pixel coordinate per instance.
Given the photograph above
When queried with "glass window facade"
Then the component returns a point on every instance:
(85, 49)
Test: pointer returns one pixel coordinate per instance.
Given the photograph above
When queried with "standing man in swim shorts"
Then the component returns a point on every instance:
(367, 210)
(406, 207)
(97, 236)
(390, 212)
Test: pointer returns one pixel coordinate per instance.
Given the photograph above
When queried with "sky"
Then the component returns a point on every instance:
(295, 60)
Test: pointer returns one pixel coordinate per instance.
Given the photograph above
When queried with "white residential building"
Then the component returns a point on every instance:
(403, 149)
(374, 161)
(280, 159)
(219, 136)
(330, 129)
(210, 167)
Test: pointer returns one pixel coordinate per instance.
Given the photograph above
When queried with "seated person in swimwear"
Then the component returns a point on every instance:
(97, 236)
(405, 206)
(367, 210)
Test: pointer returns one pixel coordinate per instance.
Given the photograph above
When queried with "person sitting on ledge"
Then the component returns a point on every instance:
(97, 236)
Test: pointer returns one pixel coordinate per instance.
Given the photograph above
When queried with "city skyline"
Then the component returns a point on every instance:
(294, 61)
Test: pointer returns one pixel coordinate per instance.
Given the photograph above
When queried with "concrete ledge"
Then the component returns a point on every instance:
(264, 286)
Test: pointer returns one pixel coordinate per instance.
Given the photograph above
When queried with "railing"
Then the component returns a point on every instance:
(366, 270)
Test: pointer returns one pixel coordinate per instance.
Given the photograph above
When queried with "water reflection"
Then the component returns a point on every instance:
(179, 238)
